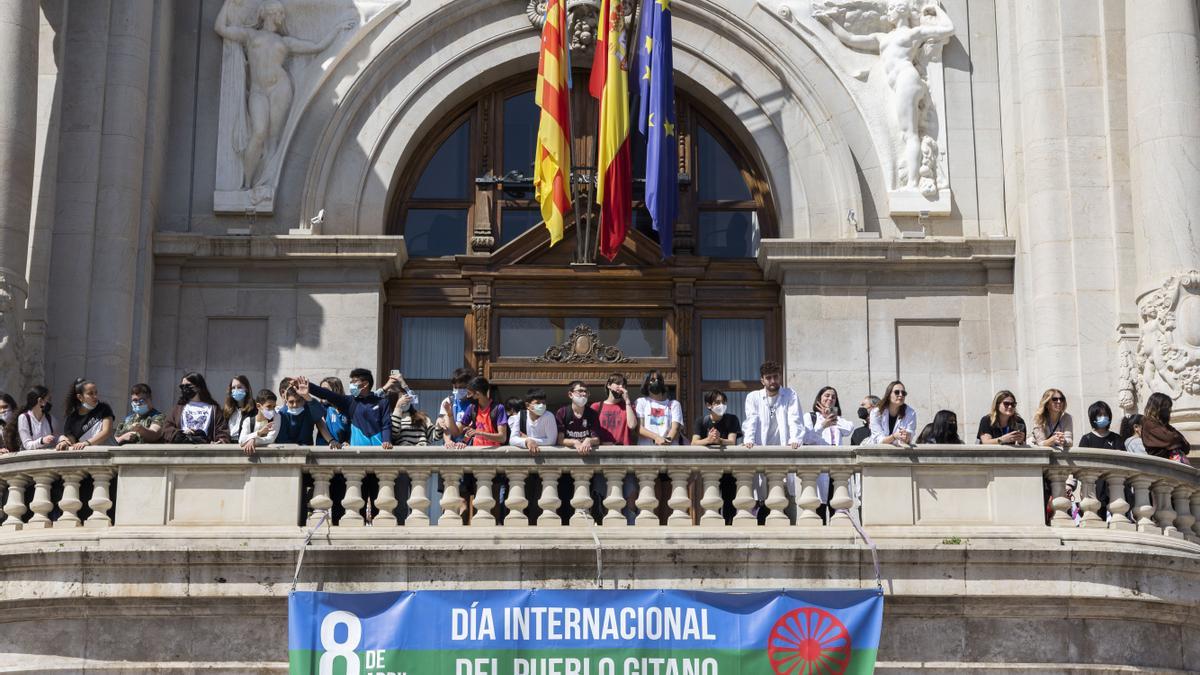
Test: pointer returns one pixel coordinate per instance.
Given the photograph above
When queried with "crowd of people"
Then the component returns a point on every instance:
(306, 413)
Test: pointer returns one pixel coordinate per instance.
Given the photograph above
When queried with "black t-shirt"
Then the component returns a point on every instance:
(860, 434)
(586, 425)
(728, 424)
(995, 430)
(1109, 441)
(77, 425)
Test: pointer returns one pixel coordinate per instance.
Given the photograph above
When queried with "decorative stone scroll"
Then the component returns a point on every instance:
(901, 93)
(583, 346)
(1168, 352)
(582, 17)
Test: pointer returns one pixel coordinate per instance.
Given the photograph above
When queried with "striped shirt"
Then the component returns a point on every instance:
(406, 431)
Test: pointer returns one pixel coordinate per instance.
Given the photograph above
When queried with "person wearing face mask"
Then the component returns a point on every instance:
(409, 425)
(484, 423)
(196, 417)
(1101, 435)
(369, 413)
(660, 418)
(10, 438)
(864, 415)
(1131, 434)
(144, 423)
(89, 420)
(618, 418)
(453, 406)
(300, 418)
(719, 428)
(773, 412)
(578, 424)
(35, 426)
(533, 428)
(239, 404)
(263, 428)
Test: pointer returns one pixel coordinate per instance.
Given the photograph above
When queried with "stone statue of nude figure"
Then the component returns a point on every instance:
(270, 87)
(899, 50)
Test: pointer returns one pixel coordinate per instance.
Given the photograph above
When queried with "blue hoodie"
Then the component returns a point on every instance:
(370, 415)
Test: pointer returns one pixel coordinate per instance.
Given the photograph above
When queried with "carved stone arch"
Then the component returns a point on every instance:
(395, 84)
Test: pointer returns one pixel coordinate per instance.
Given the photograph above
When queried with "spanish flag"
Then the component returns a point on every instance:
(610, 84)
(552, 156)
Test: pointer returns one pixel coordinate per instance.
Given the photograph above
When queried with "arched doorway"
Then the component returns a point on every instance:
(483, 288)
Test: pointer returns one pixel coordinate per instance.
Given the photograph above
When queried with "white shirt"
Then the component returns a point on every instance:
(837, 433)
(881, 424)
(32, 431)
(544, 429)
(197, 415)
(786, 410)
(657, 416)
(252, 425)
(235, 423)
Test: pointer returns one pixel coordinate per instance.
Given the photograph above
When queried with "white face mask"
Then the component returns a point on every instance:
(539, 409)
(268, 414)
(8, 416)
(719, 409)
(87, 406)
(579, 400)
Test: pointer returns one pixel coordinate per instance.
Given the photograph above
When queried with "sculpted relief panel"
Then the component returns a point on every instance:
(891, 52)
(272, 55)
(1168, 351)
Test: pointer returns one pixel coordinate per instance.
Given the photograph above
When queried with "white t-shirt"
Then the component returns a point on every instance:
(657, 416)
(196, 415)
(544, 429)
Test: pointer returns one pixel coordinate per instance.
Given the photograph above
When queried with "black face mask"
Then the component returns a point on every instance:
(186, 392)
(46, 408)
(657, 388)
(863, 414)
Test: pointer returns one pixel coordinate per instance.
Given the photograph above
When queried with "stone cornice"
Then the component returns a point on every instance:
(990, 256)
(390, 252)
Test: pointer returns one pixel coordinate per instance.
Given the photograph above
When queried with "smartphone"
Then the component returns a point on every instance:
(395, 373)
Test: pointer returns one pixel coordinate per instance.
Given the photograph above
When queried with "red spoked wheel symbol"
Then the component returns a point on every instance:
(809, 641)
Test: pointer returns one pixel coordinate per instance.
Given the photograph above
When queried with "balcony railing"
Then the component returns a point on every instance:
(735, 490)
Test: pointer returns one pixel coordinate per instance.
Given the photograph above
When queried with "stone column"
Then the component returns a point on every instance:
(1162, 43)
(19, 27)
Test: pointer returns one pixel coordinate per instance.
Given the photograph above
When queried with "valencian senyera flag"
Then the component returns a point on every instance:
(610, 84)
(656, 117)
(584, 632)
(552, 156)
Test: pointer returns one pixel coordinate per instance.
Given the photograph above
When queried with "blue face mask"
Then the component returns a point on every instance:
(295, 411)
(459, 394)
(238, 395)
(140, 408)
(1102, 422)
(354, 389)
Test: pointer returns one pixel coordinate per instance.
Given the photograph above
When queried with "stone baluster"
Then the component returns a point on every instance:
(320, 500)
(418, 500)
(386, 500)
(1196, 512)
(614, 499)
(516, 501)
(1058, 499)
(711, 502)
(484, 501)
(743, 499)
(41, 504)
(808, 501)
(69, 503)
(549, 501)
(681, 505)
(777, 500)
(1117, 505)
(452, 502)
(840, 501)
(1143, 509)
(646, 499)
(582, 500)
(1184, 518)
(1164, 515)
(353, 501)
(14, 506)
(101, 501)
(1088, 504)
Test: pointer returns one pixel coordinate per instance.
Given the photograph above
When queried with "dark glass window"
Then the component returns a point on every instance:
(520, 133)
(446, 175)
(728, 234)
(720, 178)
(435, 232)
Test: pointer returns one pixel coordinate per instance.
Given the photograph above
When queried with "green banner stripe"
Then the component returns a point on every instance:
(579, 662)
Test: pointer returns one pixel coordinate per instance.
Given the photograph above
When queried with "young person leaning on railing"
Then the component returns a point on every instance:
(10, 439)
(1162, 439)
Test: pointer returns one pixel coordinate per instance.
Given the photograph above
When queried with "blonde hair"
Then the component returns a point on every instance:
(994, 413)
(1039, 417)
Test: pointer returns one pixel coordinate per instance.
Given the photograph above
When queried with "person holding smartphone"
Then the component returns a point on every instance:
(893, 421)
(618, 418)
(824, 424)
(1002, 425)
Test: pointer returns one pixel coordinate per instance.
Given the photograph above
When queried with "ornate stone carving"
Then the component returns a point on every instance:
(582, 346)
(1168, 352)
(908, 35)
(259, 81)
(582, 15)
(15, 366)
(1127, 380)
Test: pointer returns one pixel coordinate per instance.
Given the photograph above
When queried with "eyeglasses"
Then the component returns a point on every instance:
(137, 401)
(1057, 399)
(899, 392)
(1008, 404)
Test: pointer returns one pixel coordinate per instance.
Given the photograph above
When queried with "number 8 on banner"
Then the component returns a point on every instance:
(345, 649)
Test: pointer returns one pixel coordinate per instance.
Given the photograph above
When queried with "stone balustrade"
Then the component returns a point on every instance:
(616, 487)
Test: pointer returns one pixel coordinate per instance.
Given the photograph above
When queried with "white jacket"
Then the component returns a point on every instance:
(881, 424)
(251, 426)
(837, 434)
(758, 417)
(544, 430)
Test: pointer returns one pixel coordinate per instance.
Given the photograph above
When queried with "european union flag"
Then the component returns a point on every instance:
(656, 118)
